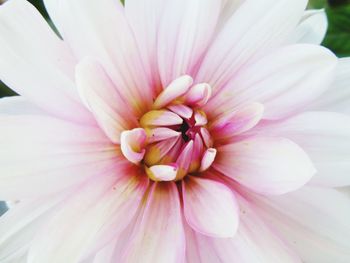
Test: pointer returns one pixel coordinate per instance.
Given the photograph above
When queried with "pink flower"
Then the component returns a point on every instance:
(173, 131)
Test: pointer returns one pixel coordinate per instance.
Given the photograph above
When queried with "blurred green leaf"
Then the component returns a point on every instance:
(5, 91)
(317, 3)
(39, 4)
(338, 35)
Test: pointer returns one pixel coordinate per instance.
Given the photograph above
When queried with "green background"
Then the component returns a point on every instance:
(337, 39)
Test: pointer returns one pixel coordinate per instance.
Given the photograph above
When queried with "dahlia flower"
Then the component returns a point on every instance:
(173, 131)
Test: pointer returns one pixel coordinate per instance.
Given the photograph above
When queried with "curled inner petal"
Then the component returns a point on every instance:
(132, 143)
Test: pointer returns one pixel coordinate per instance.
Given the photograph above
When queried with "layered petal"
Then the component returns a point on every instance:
(49, 155)
(29, 46)
(314, 221)
(312, 28)
(267, 165)
(255, 241)
(158, 235)
(337, 97)
(91, 217)
(325, 137)
(102, 98)
(99, 29)
(175, 32)
(285, 81)
(263, 26)
(210, 207)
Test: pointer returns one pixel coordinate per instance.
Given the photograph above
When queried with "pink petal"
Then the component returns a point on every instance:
(267, 165)
(313, 221)
(181, 110)
(184, 160)
(207, 137)
(29, 46)
(200, 118)
(100, 96)
(92, 216)
(237, 122)
(325, 137)
(263, 26)
(197, 153)
(158, 235)
(210, 207)
(198, 95)
(40, 152)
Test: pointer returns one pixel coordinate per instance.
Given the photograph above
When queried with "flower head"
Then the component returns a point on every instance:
(172, 131)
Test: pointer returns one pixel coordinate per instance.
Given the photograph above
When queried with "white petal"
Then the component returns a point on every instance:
(210, 207)
(254, 242)
(263, 26)
(267, 165)
(285, 81)
(174, 90)
(314, 222)
(162, 172)
(93, 216)
(42, 155)
(180, 31)
(36, 63)
(228, 9)
(18, 105)
(158, 235)
(325, 137)
(21, 223)
(102, 98)
(99, 29)
(337, 97)
(312, 28)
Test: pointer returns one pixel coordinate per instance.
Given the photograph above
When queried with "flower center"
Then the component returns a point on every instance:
(172, 140)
